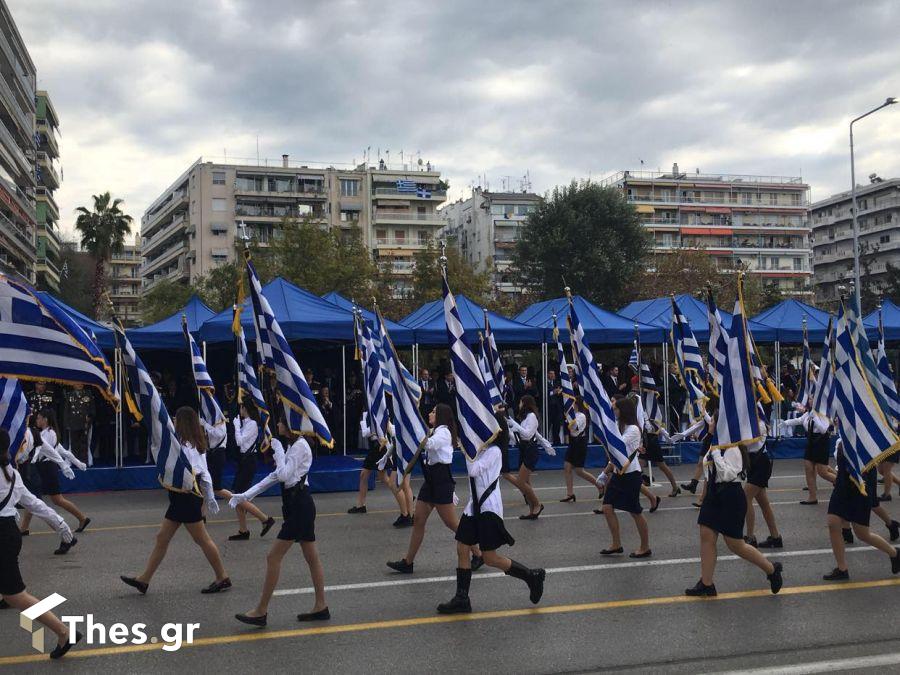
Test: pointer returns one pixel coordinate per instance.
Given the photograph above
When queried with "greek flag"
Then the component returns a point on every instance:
(822, 388)
(886, 375)
(496, 399)
(206, 390)
(718, 340)
(172, 467)
(603, 419)
(866, 434)
(804, 387)
(866, 361)
(376, 404)
(633, 359)
(40, 341)
(423, 192)
(407, 186)
(478, 426)
(13, 413)
(410, 430)
(565, 380)
(293, 390)
(493, 356)
(738, 420)
(688, 359)
(248, 383)
(379, 336)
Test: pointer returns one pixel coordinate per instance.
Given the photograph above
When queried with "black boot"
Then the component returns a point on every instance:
(691, 487)
(534, 578)
(459, 603)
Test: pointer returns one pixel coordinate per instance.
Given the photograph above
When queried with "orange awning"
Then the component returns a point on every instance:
(706, 230)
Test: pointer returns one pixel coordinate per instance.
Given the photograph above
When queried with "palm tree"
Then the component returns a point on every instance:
(103, 233)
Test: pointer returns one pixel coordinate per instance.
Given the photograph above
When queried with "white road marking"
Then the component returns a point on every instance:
(830, 666)
(411, 581)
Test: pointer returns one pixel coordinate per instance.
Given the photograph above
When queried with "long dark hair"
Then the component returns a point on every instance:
(529, 405)
(627, 408)
(188, 429)
(252, 410)
(443, 416)
(580, 405)
(49, 415)
(4, 454)
(502, 440)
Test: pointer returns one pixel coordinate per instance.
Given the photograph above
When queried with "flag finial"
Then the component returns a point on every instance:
(244, 236)
(183, 319)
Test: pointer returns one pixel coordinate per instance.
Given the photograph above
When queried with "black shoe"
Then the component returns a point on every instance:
(701, 590)
(645, 479)
(477, 563)
(847, 533)
(570, 498)
(217, 586)
(270, 521)
(25, 533)
(240, 536)
(322, 615)
(894, 529)
(357, 509)
(60, 651)
(675, 492)
(656, 506)
(837, 574)
(698, 505)
(895, 561)
(401, 566)
(645, 554)
(772, 542)
(598, 512)
(403, 521)
(751, 541)
(83, 525)
(612, 551)
(690, 487)
(64, 547)
(457, 605)
(775, 580)
(809, 502)
(884, 498)
(536, 585)
(259, 621)
(134, 583)
(533, 516)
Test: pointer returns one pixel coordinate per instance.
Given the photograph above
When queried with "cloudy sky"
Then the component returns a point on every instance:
(560, 90)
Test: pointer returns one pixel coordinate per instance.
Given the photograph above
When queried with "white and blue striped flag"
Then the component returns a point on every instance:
(206, 390)
(13, 413)
(821, 394)
(603, 419)
(804, 387)
(738, 420)
(379, 336)
(373, 378)
(301, 410)
(865, 360)
(478, 426)
(886, 375)
(718, 340)
(688, 360)
(496, 399)
(407, 186)
(565, 380)
(248, 383)
(493, 356)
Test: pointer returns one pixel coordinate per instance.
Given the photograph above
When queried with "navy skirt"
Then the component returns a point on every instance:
(299, 512)
(653, 447)
(760, 469)
(486, 529)
(724, 509)
(528, 455)
(49, 473)
(577, 451)
(246, 470)
(10, 544)
(438, 486)
(215, 462)
(184, 507)
(623, 492)
(817, 448)
(849, 503)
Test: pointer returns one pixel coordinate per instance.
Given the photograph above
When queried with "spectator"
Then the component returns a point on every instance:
(613, 384)
(427, 402)
(329, 412)
(42, 398)
(677, 398)
(445, 390)
(78, 416)
(554, 407)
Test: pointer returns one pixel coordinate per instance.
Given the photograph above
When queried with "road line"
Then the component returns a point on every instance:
(829, 666)
(412, 581)
(258, 635)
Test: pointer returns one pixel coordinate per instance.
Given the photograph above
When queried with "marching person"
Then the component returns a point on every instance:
(651, 453)
(437, 492)
(380, 459)
(527, 430)
(186, 508)
(482, 525)
(12, 587)
(815, 458)
(246, 435)
(576, 454)
(722, 512)
(299, 511)
(756, 488)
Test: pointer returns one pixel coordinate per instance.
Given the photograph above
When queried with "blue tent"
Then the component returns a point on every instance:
(430, 329)
(786, 319)
(600, 326)
(400, 334)
(301, 314)
(105, 338)
(891, 314)
(167, 333)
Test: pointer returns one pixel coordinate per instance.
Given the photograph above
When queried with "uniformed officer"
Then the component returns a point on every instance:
(78, 416)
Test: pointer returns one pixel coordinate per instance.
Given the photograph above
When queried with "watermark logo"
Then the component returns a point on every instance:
(28, 619)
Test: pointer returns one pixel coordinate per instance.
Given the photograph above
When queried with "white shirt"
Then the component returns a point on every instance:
(21, 495)
(578, 425)
(201, 471)
(485, 469)
(246, 431)
(290, 467)
(820, 426)
(527, 428)
(215, 434)
(753, 448)
(729, 464)
(692, 430)
(633, 441)
(439, 447)
(47, 452)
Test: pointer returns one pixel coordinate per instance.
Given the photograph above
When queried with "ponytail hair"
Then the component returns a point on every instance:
(49, 415)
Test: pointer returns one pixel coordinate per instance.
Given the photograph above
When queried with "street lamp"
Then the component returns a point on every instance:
(858, 291)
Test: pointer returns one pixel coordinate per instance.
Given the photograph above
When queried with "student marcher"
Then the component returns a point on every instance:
(756, 488)
(299, 512)
(12, 587)
(378, 459)
(529, 452)
(186, 508)
(815, 458)
(576, 454)
(246, 435)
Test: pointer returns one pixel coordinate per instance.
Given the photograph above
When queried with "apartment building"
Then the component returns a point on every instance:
(485, 228)
(878, 217)
(123, 276)
(17, 151)
(759, 223)
(47, 268)
(194, 225)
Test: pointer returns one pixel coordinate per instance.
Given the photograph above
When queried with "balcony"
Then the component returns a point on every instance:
(394, 193)
(20, 239)
(12, 105)
(48, 175)
(312, 190)
(401, 266)
(177, 272)
(48, 138)
(160, 261)
(178, 222)
(730, 201)
(176, 199)
(16, 157)
(382, 216)
(44, 195)
(402, 242)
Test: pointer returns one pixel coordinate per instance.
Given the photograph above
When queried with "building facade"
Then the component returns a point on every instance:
(759, 223)
(47, 267)
(123, 272)
(878, 218)
(485, 228)
(18, 220)
(194, 225)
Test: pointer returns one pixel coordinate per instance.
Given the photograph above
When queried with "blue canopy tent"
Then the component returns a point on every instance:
(400, 334)
(429, 327)
(891, 317)
(601, 327)
(167, 333)
(103, 334)
(786, 320)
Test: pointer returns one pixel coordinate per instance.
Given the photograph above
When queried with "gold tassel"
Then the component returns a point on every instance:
(763, 395)
(773, 391)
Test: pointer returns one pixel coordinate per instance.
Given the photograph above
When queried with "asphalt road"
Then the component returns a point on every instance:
(597, 613)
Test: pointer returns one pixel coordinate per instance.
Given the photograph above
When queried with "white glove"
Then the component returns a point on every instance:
(677, 438)
(603, 479)
(236, 421)
(212, 507)
(235, 500)
(455, 500)
(546, 445)
(68, 473)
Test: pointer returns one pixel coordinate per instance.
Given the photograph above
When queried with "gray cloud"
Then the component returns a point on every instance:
(561, 89)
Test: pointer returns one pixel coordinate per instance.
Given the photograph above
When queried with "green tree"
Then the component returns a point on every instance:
(891, 286)
(218, 288)
(76, 274)
(164, 299)
(681, 270)
(103, 232)
(464, 280)
(586, 236)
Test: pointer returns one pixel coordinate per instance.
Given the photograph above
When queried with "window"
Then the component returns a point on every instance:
(349, 188)
(218, 177)
(798, 264)
(219, 229)
(381, 236)
(884, 239)
(400, 236)
(194, 206)
(218, 204)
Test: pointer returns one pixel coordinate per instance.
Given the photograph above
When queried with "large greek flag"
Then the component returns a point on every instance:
(376, 404)
(688, 359)
(293, 391)
(493, 356)
(565, 380)
(867, 436)
(379, 336)
(603, 419)
(496, 399)
(821, 393)
(865, 360)
(40, 341)
(206, 390)
(248, 383)
(738, 420)
(477, 425)
(886, 375)
(718, 340)
(172, 468)
(13, 413)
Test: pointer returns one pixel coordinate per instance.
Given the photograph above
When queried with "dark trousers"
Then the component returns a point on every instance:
(78, 443)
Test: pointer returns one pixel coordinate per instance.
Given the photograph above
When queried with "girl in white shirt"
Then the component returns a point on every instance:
(528, 454)
(623, 491)
(816, 455)
(299, 511)
(576, 454)
(12, 587)
(186, 508)
(246, 435)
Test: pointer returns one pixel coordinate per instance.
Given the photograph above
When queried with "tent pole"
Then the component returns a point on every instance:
(543, 389)
(665, 379)
(777, 379)
(204, 351)
(344, 392)
(118, 444)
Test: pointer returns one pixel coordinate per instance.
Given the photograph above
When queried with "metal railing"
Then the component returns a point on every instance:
(389, 215)
(704, 177)
(732, 200)
(403, 241)
(162, 233)
(27, 242)
(175, 198)
(383, 191)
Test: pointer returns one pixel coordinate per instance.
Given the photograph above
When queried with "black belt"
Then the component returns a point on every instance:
(12, 485)
(478, 502)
